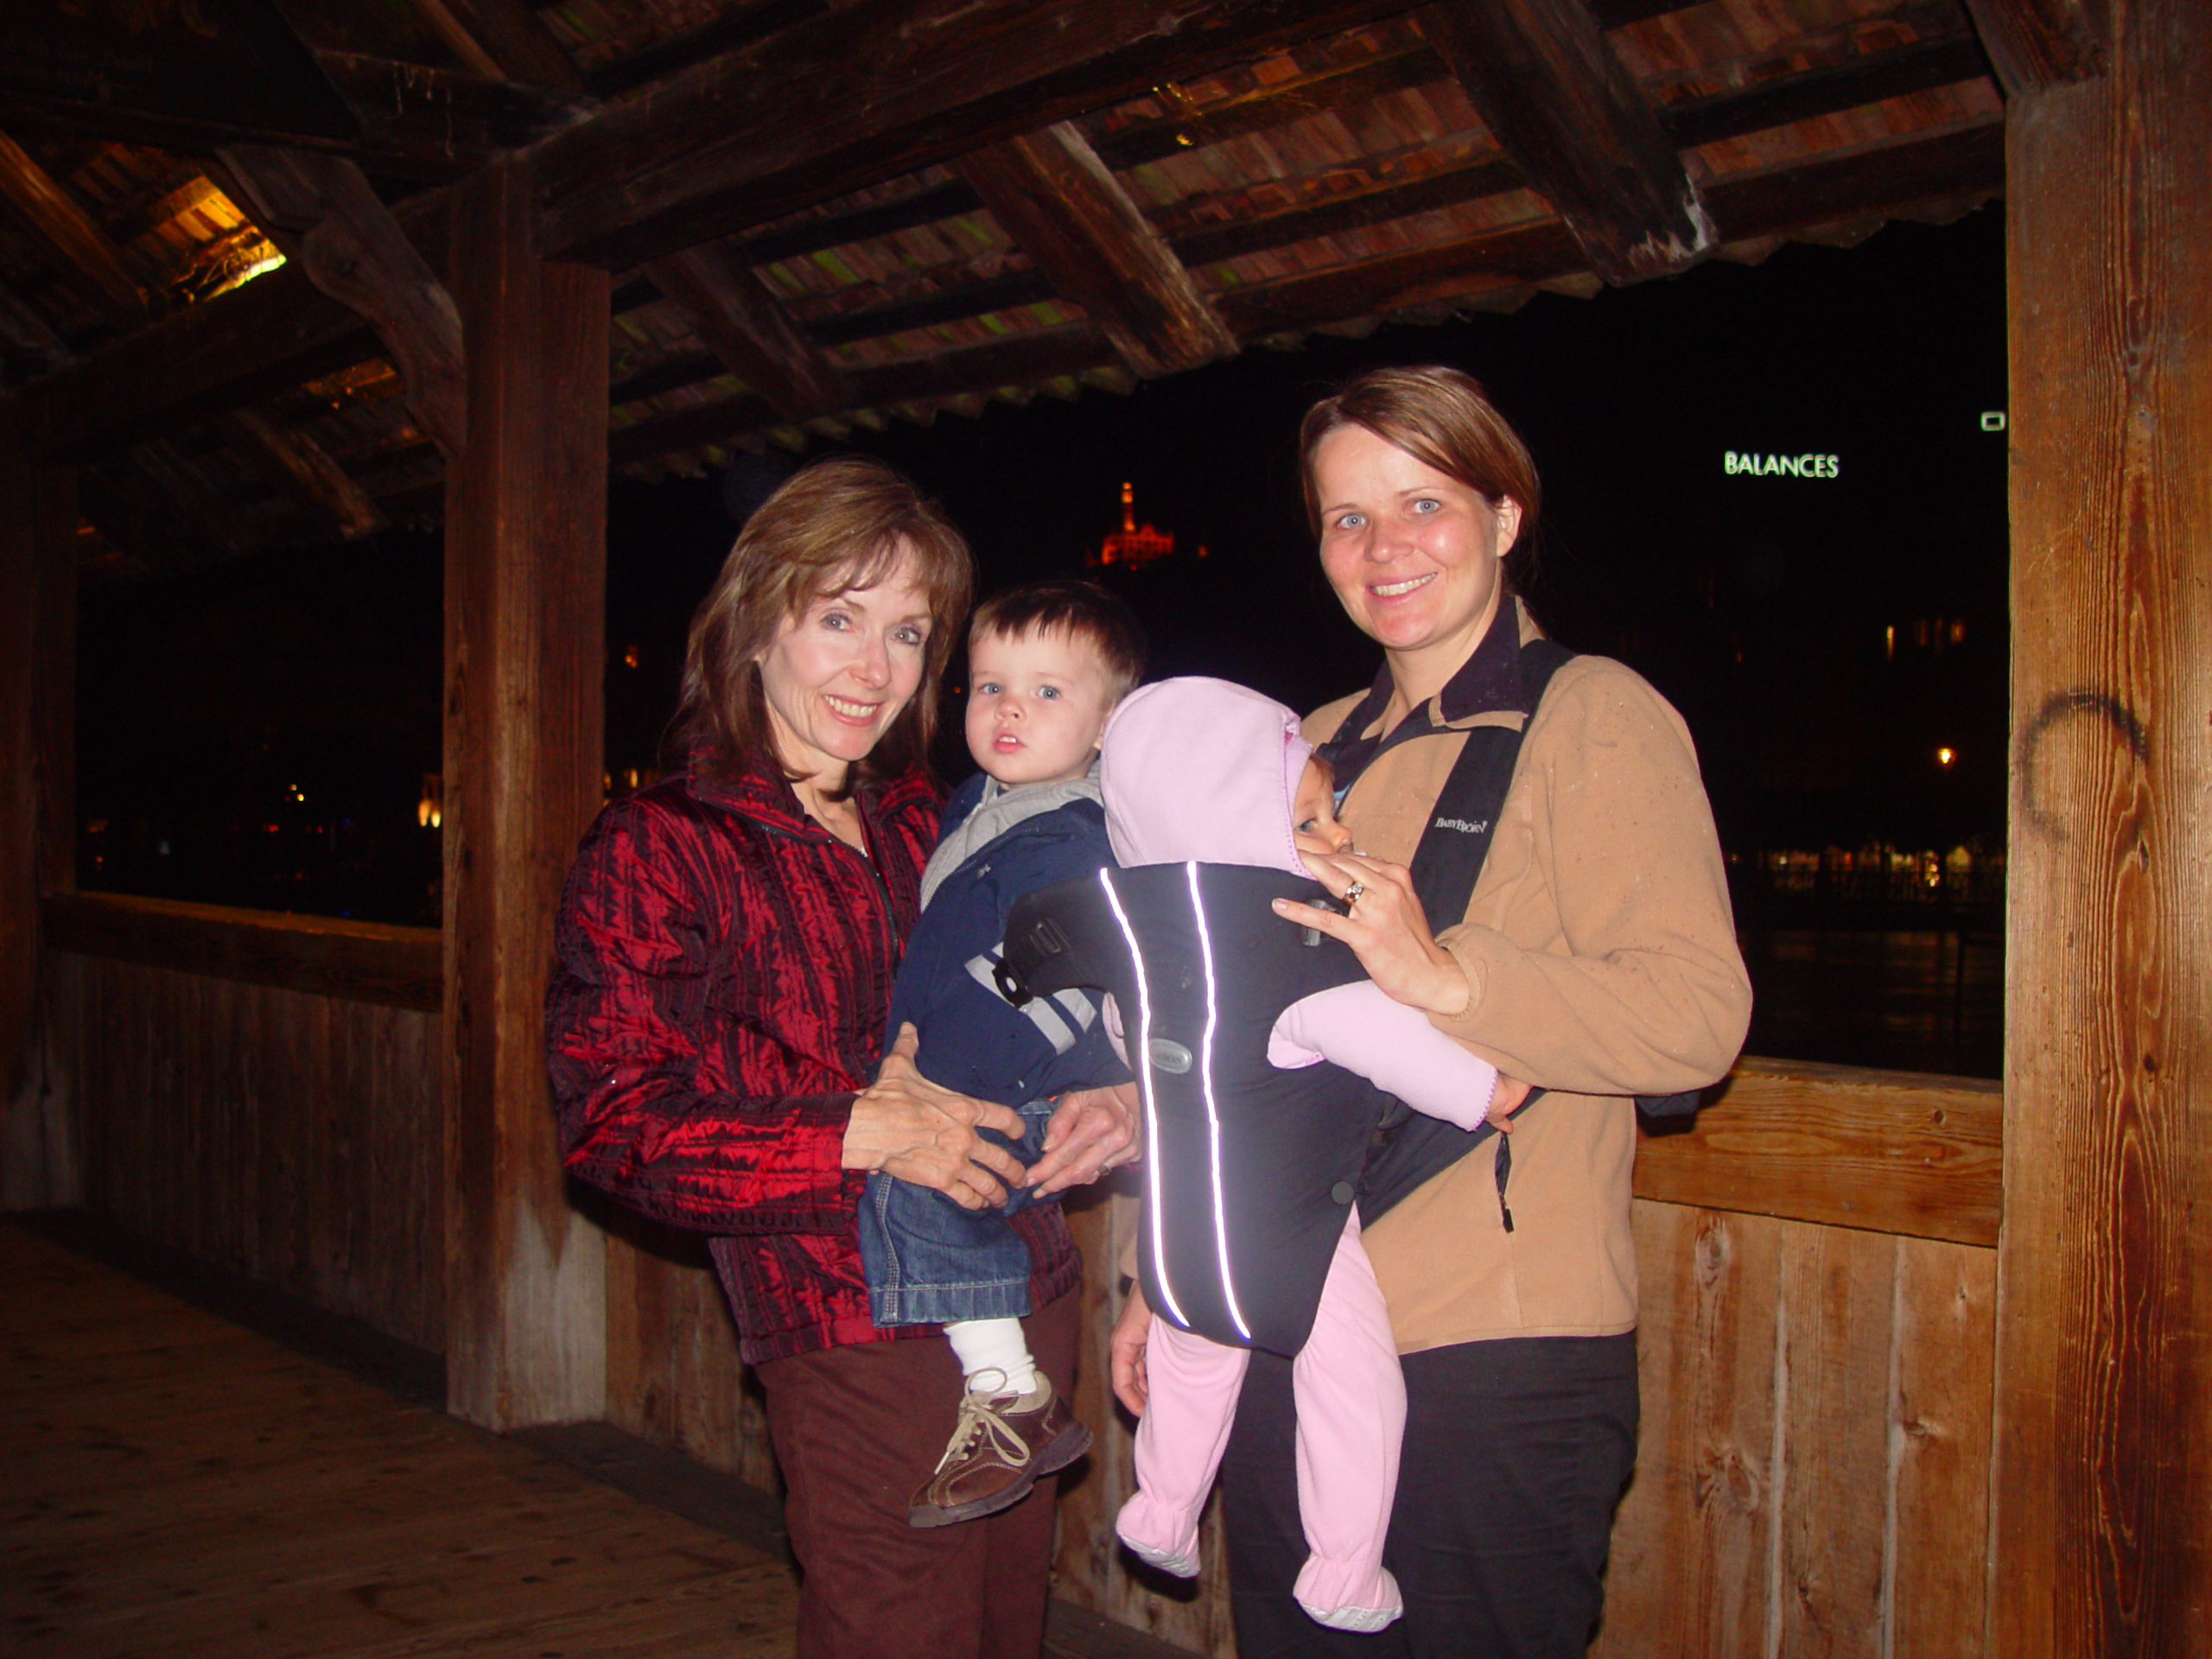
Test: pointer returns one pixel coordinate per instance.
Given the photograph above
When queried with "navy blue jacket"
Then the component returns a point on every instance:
(972, 1039)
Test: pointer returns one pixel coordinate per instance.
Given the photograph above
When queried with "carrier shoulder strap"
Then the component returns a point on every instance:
(1409, 1148)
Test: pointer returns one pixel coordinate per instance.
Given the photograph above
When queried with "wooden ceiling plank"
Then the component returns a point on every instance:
(972, 370)
(304, 470)
(1562, 105)
(418, 123)
(354, 250)
(1014, 289)
(1786, 99)
(941, 201)
(747, 327)
(505, 38)
(267, 337)
(725, 35)
(809, 114)
(1958, 163)
(71, 233)
(1351, 210)
(1050, 191)
(1278, 103)
(2038, 44)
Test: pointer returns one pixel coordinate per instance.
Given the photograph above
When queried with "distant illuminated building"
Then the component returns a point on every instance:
(1132, 545)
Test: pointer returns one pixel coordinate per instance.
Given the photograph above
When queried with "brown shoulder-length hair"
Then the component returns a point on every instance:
(834, 525)
(1441, 417)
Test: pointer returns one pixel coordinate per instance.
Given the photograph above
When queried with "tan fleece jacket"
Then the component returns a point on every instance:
(1601, 962)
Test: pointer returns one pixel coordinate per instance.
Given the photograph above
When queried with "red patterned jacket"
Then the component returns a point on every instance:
(725, 964)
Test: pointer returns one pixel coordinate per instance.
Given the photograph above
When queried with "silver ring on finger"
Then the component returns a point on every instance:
(1353, 893)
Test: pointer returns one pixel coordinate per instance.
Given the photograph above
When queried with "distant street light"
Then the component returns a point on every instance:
(1944, 757)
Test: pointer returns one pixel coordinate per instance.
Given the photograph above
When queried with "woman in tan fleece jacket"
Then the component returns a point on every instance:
(1597, 957)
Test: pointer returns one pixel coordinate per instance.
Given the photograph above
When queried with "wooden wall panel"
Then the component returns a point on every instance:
(673, 1375)
(1093, 1570)
(1813, 1473)
(288, 1137)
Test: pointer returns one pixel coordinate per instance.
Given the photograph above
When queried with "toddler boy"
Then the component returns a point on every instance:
(1047, 662)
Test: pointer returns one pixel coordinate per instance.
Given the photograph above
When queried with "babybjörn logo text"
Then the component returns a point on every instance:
(1465, 827)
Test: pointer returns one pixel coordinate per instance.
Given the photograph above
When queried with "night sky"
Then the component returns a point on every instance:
(214, 703)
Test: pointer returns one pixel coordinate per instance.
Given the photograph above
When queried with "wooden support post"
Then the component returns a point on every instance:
(38, 807)
(526, 572)
(2102, 1535)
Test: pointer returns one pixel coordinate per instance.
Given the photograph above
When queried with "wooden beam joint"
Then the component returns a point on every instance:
(1060, 202)
(354, 250)
(1565, 108)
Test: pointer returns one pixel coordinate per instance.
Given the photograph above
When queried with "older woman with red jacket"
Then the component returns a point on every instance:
(727, 940)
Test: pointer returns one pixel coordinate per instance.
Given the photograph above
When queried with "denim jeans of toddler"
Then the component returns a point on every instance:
(929, 1261)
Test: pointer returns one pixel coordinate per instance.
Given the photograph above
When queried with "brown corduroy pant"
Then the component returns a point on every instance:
(856, 1431)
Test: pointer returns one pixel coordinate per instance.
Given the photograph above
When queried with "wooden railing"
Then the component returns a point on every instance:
(1817, 1251)
(263, 1092)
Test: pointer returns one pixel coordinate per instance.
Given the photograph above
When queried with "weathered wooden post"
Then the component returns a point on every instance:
(525, 564)
(2102, 1535)
(38, 692)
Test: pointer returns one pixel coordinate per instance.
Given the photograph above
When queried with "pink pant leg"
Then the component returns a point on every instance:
(1351, 1417)
(1191, 1388)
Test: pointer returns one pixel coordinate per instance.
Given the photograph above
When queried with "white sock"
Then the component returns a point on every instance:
(994, 1346)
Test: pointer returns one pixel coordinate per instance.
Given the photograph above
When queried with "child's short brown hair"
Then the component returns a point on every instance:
(1082, 610)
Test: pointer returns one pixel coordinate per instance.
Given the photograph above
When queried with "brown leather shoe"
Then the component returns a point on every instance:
(1000, 1446)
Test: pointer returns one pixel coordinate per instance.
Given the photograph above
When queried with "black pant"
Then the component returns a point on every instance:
(1516, 1454)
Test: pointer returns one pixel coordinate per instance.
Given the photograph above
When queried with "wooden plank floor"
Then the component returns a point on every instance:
(173, 1485)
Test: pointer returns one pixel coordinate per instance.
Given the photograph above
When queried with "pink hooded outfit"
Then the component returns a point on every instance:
(1250, 1236)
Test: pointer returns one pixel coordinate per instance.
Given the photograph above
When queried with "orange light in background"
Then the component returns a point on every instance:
(429, 811)
(1944, 757)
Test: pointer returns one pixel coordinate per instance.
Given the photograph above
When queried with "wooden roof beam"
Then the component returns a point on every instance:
(1068, 213)
(353, 250)
(294, 460)
(436, 124)
(1564, 107)
(2038, 44)
(418, 124)
(303, 469)
(1204, 239)
(1956, 163)
(71, 233)
(503, 38)
(265, 338)
(974, 370)
(808, 115)
(1961, 162)
(749, 332)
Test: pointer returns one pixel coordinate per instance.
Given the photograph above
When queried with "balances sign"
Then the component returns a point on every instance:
(1757, 466)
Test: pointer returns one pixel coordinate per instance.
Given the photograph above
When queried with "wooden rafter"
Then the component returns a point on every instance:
(1960, 163)
(438, 123)
(303, 469)
(1565, 108)
(748, 331)
(726, 34)
(293, 461)
(1208, 230)
(417, 123)
(503, 38)
(1068, 213)
(71, 233)
(809, 114)
(354, 250)
(2038, 44)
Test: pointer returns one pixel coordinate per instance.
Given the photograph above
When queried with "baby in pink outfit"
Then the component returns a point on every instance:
(1206, 774)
